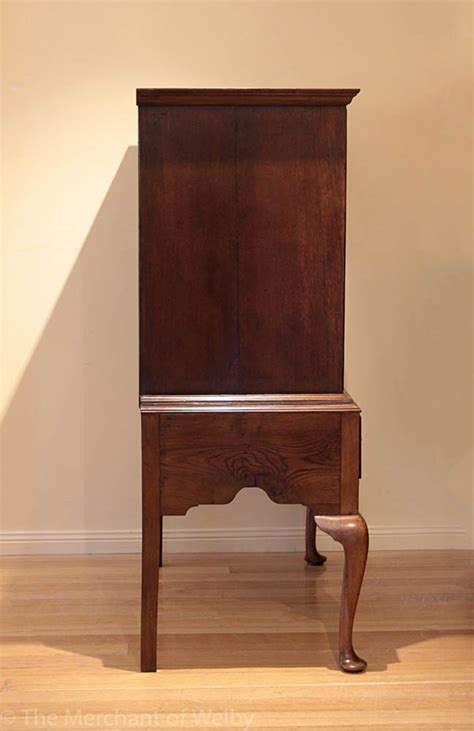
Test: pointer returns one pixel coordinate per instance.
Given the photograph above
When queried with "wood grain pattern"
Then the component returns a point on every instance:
(241, 285)
(327, 402)
(188, 281)
(208, 458)
(311, 97)
(350, 463)
(291, 198)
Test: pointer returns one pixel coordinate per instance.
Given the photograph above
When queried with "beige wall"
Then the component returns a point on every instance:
(71, 429)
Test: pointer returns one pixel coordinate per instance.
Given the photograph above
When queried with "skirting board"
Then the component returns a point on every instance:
(225, 540)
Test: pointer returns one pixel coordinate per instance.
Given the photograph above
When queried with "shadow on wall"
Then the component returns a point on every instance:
(71, 432)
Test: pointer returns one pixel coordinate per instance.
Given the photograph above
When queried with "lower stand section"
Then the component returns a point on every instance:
(312, 556)
(351, 532)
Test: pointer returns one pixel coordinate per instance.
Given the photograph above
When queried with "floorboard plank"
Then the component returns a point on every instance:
(245, 641)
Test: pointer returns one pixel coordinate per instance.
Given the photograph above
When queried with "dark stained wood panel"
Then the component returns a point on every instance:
(291, 224)
(242, 226)
(188, 251)
(208, 458)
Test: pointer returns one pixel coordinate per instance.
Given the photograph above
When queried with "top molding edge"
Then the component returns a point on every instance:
(328, 402)
(231, 97)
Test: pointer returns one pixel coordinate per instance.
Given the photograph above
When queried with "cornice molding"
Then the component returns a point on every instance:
(306, 97)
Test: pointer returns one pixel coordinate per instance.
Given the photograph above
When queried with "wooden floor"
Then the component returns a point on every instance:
(245, 641)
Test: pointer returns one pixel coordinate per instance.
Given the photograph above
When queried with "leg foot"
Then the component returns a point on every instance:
(312, 557)
(351, 532)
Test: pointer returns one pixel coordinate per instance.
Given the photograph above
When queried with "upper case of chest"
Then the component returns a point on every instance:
(242, 243)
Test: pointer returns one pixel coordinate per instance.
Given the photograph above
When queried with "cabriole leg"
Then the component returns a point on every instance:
(312, 557)
(351, 531)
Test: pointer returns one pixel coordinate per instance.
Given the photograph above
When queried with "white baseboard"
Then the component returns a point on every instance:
(223, 540)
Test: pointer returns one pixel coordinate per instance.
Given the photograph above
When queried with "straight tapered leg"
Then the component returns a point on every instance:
(151, 541)
(312, 556)
(351, 532)
(160, 563)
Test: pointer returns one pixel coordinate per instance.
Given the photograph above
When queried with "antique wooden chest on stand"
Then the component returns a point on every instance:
(242, 255)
